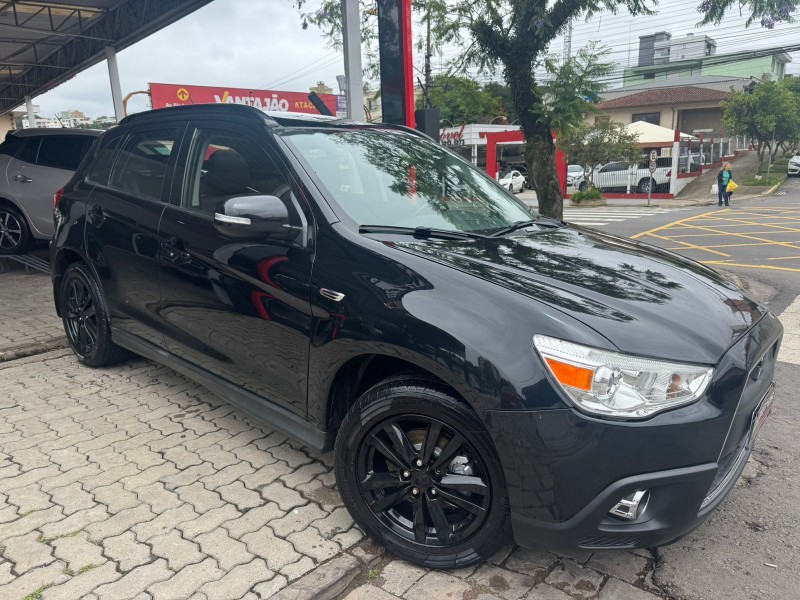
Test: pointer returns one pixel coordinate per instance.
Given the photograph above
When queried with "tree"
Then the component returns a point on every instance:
(769, 115)
(603, 142)
(461, 100)
(513, 36)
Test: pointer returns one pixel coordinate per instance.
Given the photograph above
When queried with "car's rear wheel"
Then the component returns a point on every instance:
(15, 235)
(420, 475)
(583, 186)
(645, 185)
(85, 318)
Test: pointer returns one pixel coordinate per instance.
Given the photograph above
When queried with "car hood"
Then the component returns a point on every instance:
(644, 300)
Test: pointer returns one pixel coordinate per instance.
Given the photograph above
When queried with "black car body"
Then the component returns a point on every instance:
(315, 315)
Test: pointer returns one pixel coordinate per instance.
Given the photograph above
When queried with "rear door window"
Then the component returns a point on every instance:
(141, 166)
(30, 151)
(63, 151)
(100, 169)
(11, 145)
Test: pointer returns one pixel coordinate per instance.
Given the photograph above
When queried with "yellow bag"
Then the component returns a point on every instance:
(731, 186)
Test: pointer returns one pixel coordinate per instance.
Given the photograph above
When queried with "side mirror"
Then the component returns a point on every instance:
(254, 216)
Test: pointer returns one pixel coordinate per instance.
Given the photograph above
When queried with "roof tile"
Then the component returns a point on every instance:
(661, 96)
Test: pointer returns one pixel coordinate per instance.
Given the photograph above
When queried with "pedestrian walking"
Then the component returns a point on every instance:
(725, 177)
(720, 187)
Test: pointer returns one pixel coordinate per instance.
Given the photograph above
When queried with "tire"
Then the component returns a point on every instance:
(85, 318)
(15, 235)
(511, 187)
(383, 454)
(645, 185)
(583, 186)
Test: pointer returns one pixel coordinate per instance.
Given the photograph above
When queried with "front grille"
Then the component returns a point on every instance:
(610, 541)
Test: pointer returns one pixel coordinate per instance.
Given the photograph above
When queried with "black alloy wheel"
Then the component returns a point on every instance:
(86, 324)
(419, 474)
(14, 233)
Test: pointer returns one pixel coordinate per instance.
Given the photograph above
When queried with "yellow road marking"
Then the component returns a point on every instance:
(729, 234)
(688, 245)
(730, 264)
(668, 225)
(785, 257)
(723, 245)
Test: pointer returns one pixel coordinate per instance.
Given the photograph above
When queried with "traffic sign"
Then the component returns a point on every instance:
(653, 155)
(652, 166)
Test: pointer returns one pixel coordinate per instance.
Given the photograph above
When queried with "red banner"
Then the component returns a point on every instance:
(163, 95)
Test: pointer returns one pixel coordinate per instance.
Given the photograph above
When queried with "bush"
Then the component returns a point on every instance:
(587, 196)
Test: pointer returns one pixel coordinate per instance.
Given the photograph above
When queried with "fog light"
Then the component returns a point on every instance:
(631, 506)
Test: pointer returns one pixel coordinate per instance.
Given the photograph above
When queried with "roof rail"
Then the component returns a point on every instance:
(238, 109)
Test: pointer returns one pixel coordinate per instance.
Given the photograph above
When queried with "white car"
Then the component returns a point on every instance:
(513, 181)
(794, 165)
(576, 178)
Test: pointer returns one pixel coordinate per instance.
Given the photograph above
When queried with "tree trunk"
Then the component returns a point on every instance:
(540, 155)
(761, 148)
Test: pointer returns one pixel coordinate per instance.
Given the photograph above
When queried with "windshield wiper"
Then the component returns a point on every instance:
(540, 220)
(422, 232)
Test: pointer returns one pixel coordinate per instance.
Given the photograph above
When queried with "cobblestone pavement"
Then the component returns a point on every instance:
(28, 315)
(132, 482)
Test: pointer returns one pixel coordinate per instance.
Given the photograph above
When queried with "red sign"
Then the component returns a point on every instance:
(163, 95)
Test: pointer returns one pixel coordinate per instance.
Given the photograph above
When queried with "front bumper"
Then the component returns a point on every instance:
(565, 470)
(794, 169)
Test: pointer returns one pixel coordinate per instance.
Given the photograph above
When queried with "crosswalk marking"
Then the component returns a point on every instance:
(596, 217)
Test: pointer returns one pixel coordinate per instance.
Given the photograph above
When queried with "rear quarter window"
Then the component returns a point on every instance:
(64, 151)
(30, 150)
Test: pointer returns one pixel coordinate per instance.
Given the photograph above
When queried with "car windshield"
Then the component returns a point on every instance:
(385, 177)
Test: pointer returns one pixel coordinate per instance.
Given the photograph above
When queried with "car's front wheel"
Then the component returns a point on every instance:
(419, 474)
(85, 318)
(15, 235)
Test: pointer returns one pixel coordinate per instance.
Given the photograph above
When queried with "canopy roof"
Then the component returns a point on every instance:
(43, 44)
(655, 134)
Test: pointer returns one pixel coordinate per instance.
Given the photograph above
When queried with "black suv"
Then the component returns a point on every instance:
(477, 368)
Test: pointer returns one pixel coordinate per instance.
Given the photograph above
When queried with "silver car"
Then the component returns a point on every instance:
(34, 165)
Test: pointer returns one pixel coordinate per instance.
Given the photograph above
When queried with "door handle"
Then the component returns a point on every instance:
(21, 178)
(175, 252)
(96, 215)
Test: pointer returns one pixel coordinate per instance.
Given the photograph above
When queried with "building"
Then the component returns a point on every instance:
(663, 58)
(321, 88)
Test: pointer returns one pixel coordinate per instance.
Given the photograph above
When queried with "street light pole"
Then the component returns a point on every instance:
(351, 33)
(769, 156)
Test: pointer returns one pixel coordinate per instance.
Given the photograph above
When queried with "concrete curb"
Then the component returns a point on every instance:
(323, 583)
(33, 349)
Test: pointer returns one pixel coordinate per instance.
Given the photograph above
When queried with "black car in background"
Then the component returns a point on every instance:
(476, 368)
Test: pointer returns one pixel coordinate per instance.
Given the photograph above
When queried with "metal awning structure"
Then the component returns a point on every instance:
(43, 44)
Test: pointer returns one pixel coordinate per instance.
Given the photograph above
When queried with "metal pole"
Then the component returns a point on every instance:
(116, 89)
(31, 115)
(428, 55)
(649, 189)
(769, 155)
(351, 33)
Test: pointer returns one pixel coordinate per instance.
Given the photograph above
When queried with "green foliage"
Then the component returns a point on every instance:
(589, 195)
(601, 143)
(461, 100)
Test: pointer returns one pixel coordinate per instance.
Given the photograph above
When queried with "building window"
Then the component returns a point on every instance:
(648, 117)
(601, 119)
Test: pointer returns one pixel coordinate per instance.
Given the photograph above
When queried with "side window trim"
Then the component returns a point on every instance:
(120, 139)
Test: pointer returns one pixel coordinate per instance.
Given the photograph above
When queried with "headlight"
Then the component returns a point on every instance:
(618, 385)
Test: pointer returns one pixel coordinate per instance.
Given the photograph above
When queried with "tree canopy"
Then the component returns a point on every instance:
(601, 143)
(462, 100)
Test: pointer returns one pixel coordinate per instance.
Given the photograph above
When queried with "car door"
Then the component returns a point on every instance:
(237, 308)
(131, 174)
(43, 166)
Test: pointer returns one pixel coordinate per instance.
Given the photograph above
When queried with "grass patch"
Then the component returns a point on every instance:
(372, 574)
(47, 540)
(37, 594)
(763, 182)
(85, 568)
(590, 195)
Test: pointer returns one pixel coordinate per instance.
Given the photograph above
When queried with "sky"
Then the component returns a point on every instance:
(261, 45)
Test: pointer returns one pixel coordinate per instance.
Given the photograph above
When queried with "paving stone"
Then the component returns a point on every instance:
(82, 583)
(177, 551)
(542, 591)
(228, 551)
(369, 592)
(31, 521)
(238, 580)
(284, 497)
(256, 457)
(136, 581)
(218, 457)
(33, 580)
(530, 562)
(181, 457)
(29, 477)
(325, 582)
(29, 498)
(614, 589)
(143, 457)
(187, 581)
(502, 582)
(619, 563)
(310, 543)
(126, 551)
(164, 522)
(269, 588)
(239, 495)
(72, 498)
(187, 476)
(277, 552)
(109, 476)
(438, 585)
(208, 521)
(122, 521)
(349, 538)
(74, 522)
(253, 520)
(27, 552)
(198, 496)
(115, 497)
(501, 555)
(326, 497)
(296, 520)
(6, 576)
(398, 576)
(304, 474)
(265, 475)
(67, 458)
(72, 476)
(31, 458)
(336, 522)
(297, 569)
(227, 475)
(294, 458)
(575, 580)
(158, 497)
(78, 552)
(149, 476)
